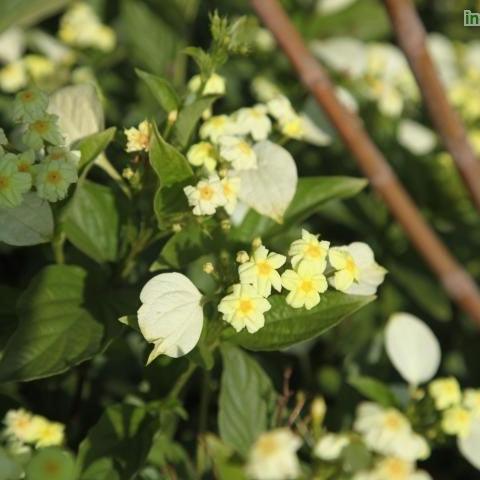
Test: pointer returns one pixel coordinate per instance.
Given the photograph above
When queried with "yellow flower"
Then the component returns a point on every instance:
(244, 307)
(138, 138)
(293, 128)
(46, 433)
(457, 421)
(203, 153)
(347, 271)
(445, 393)
(305, 285)
(13, 77)
(39, 67)
(18, 424)
(310, 249)
(261, 271)
(217, 126)
(238, 152)
(206, 196)
(471, 400)
(393, 468)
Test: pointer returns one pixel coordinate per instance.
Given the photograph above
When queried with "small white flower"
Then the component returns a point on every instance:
(310, 249)
(273, 456)
(138, 138)
(261, 271)
(393, 468)
(203, 154)
(215, 85)
(231, 187)
(457, 421)
(254, 121)
(171, 315)
(13, 76)
(206, 196)
(387, 431)
(217, 126)
(330, 446)
(238, 152)
(244, 308)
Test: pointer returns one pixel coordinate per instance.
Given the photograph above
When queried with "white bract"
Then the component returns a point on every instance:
(469, 445)
(171, 315)
(271, 187)
(412, 348)
(273, 456)
(416, 138)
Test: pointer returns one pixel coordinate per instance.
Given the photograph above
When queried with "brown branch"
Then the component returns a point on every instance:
(411, 36)
(456, 281)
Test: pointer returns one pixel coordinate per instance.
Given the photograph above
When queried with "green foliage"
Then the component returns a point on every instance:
(93, 145)
(51, 464)
(373, 390)
(161, 89)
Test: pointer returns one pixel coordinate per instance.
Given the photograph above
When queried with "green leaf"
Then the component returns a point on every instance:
(169, 164)
(188, 118)
(91, 222)
(124, 433)
(246, 395)
(51, 464)
(54, 332)
(356, 457)
(161, 89)
(29, 224)
(311, 194)
(92, 146)
(285, 326)
(9, 469)
(8, 314)
(26, 12)
(373, 389)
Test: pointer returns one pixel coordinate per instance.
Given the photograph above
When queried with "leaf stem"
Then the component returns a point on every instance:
(182, 380)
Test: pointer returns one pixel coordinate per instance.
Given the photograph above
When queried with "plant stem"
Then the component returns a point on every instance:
(57, 247)
(182, 380)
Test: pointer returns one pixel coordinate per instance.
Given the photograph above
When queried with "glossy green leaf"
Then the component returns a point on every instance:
(285, 326)
(373, 389)
(246, 394)
(29, 224)
(124, 434)
(311, 194)
(91, 222)
(54, 332)
(92, 146)
(188, 118)
(51, 464)
(161, 89)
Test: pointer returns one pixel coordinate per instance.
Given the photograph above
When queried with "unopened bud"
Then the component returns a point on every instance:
(176, 227)
(257, 242)
(208, 268)
(242, 257)
(172, 116)
(223, 172)
(226, 225)
(318, 410)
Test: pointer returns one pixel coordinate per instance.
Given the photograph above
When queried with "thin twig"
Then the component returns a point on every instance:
(411, 37)
(456, 281)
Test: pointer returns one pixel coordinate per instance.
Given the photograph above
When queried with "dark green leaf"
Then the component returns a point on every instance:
(245, 396)
(285, 326)
(91, 222)
(55, 332)
(373, 390)
(92, 146)
(161, 89)
(29, 224)
(188, 118)
(8, 314)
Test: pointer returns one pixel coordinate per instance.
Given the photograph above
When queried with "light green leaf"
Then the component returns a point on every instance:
(93, 145)
(91, 222)
(311, 194)
(169, 164)
(161, 89)
(26, 12)
(373, 389)
(30, 223)
(188, 118)
(246, 394)
(54, 332)
(79, 110)
(51, 463)
(285, 326)
(124, 434)
(9, 469)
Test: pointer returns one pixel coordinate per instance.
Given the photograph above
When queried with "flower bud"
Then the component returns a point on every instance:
(208, 268)
(176, 227)
(242, 257)
(172, 116)
(257, 242)
(226, 225)
(318, 410)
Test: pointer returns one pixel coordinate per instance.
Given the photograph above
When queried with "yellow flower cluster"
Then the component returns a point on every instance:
(26, 429)
(314, 264)
(458, 408)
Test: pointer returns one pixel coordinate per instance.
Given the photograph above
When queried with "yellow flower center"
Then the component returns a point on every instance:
(24, 167)
(307, 286)
(227, 189)
(397, 469)
(40, 126)
(4, 183)
(267, 445)
(314, 250)
(393, 422)
(54, 177)
(244, 148)
(351, 267)
(264, 268)
(206, 192)
(217, 122)
(245, 306)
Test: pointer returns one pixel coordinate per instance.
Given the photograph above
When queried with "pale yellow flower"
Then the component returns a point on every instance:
(238, 152)
(138, 138)
(39, 67)
(393, 468)
(242, 257)
(309, 249)
(273, 456)
(217, 126)
(244, 308)
(330, 446)
(293, 127)
(445, 392)
(46, 433)
(215, 85)
(261, 271)
(305, 284)
(457, 421)
(254, 121)
(18, 424)
(206, 196)
(203, 154)
(231, 186)
(471, 400)
(346, 270)
(13, 77)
